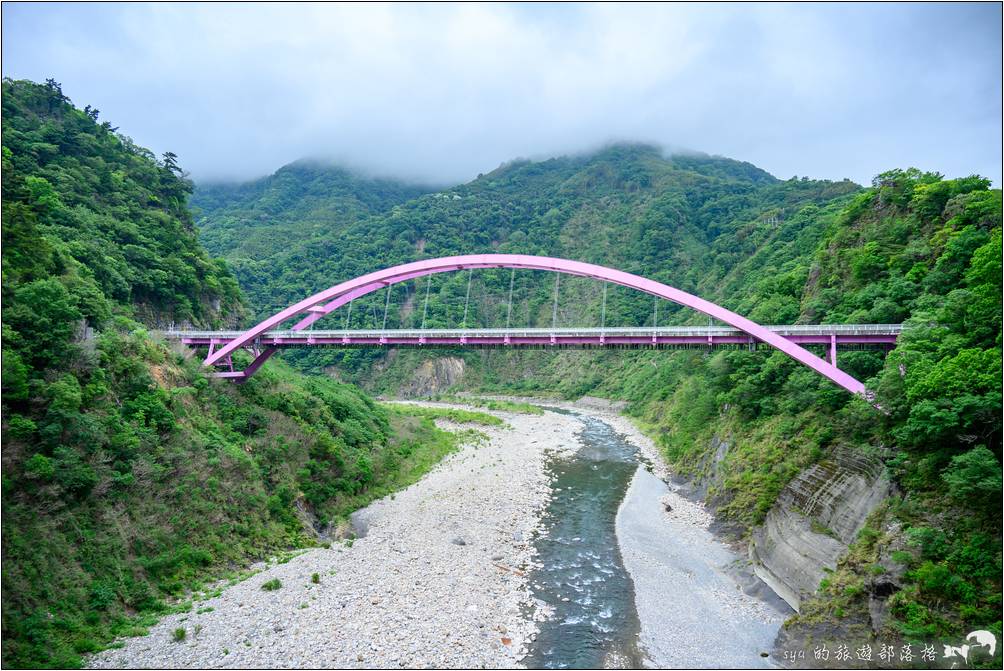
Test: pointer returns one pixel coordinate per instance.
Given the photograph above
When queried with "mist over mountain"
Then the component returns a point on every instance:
(673, 216)
(440, 92)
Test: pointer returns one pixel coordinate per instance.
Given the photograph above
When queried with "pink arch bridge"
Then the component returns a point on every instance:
(263, 341)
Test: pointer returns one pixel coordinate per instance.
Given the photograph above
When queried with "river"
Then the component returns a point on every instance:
(632, 584)
(583, 579)
(544, 545)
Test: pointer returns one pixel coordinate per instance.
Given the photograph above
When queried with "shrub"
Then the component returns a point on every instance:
(315, 578)
(40, 467)
(72, 472)
(20, 427)
(178, 635)
(974, 479)
(271, 585)
(938, 581)
(902, 557)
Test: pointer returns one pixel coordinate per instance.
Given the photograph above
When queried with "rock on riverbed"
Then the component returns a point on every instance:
(406, 594)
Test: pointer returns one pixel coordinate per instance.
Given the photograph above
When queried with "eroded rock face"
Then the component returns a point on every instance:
(435, 376)
(814, 520)
(601, 404)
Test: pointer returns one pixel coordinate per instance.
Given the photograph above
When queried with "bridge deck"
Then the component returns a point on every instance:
(824, 334)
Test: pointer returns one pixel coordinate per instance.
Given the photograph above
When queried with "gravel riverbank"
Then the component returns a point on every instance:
(438, 580)
(440, 577)
(698, 603)
(693, 612)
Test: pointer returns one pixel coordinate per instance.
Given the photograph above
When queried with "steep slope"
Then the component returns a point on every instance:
(769, 443)
(257, 226)
(130, 478)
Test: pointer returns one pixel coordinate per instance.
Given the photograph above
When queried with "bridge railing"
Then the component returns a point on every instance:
(702, 331)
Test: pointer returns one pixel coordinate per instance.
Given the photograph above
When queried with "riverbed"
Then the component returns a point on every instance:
(686, 605)
(439, 579)
(546, 545)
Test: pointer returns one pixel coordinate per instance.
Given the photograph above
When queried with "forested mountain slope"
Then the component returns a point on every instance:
(128, 476)
(913, 248)
(299, 204)
(627, 206)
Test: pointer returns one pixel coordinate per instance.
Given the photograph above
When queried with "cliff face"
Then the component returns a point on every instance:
(816, 517)
(434, 376)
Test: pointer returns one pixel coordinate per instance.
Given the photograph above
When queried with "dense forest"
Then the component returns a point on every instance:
(131, 479)
(912, 248)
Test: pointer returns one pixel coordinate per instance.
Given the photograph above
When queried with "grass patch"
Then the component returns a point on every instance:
(821, 529)
(493, 404)
(272, 585)
(415, 447)
(451, 414)
(178, 635)
(285, 557)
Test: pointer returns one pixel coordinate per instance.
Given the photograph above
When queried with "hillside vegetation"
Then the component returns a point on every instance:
(300, 205)
(129, 477)
(913, 248)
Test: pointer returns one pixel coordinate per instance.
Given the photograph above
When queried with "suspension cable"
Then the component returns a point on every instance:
(425, 310)
(470, 274)
(385, 306)
(348, 317)
(508, 314)
(655, 311)
(603, 313)
(554, 309)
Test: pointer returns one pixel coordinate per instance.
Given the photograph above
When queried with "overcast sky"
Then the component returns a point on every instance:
(440, 93)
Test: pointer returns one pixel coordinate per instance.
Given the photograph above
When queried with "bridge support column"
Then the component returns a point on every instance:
(259, 360)
(833, 350)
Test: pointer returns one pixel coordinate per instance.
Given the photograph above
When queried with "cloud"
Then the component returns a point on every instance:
(442, 92)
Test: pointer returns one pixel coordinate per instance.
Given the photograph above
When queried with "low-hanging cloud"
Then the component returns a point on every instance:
(439, 93)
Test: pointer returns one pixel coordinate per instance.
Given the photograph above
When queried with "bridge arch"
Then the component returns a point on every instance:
(324, 302)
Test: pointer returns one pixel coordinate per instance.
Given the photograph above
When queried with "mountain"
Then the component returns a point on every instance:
(297, 206)
(130, 478)
(300, 202)
(755, 435)
(628, 206)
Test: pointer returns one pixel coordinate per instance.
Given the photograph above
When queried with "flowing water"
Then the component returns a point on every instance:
(594, 623)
